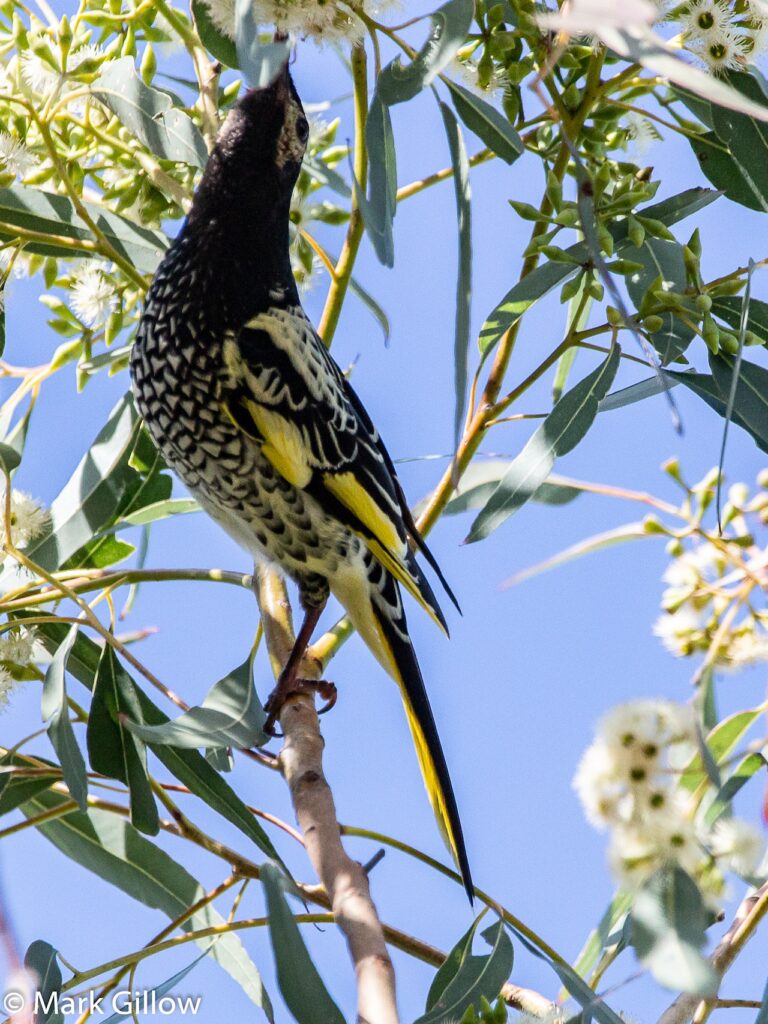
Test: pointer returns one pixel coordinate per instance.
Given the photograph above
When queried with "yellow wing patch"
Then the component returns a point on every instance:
(283, 444)
(354, 496)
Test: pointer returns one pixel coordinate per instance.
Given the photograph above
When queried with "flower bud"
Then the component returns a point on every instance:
(711, 335)
(703, 303)
(653, 323)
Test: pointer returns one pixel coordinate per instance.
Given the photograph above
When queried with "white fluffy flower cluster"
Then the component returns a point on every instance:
(721, 37)
(92, 297)
(627, 783)
(322, 20)
(28, 518)
(17, 647)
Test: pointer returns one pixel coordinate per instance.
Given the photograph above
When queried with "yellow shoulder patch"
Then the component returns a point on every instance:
(283, 444)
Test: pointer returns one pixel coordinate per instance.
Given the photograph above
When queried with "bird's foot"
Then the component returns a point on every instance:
(289, 687)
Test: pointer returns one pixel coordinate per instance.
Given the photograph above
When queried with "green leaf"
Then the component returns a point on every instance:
(373, 307)
(450, 25)
(662, 258)
(487, 123)
(60, 731)
(725, 172)
(261, 62)
(638, 44)
(676, 208)
(465, 978)
(42, 958)
(159, 510)
(607, 935)
(743, 772)
(301, 986)
(745, 136)
(378, 209)
(464, 277)
(216, 43)
(324, 175)
(560, 432)
(636, 393)
(704, 385)
(729, 307)
(111, 848)
(88, 501)
(9, 458)
(16, 790)
(721, 741)
(751, 394)
(46, 213)
(481, 479)
(112, 750)
(189, 766)
(149, 115)
(230, 716)
(669, 921)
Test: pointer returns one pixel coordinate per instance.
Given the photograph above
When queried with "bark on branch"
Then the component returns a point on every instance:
(344, 880)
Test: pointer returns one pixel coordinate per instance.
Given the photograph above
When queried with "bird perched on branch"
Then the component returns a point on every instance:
(248, 407)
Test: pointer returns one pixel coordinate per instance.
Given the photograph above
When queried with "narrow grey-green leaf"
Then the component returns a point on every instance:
(9, 458)
(230, 716)
(729, 308)
(449, 968)
(636, 393)
(325, 175)
(301, 986)
(153, 995)
(721, 740)
(372, 306)
(189, 766)
(464, 277)
(261, 63)
(111, 848)
(450, 25)
(477, 977)
(42, 958)
(705, 386)
(378, 208)
(88, 500)
(748, 383)
(745, 136)
(49, 214)
(560, 432)
(604, 935)
(481, 479)
(487, 123)
(743, 772)
(160, 510)
(669, 921)
(112, 750)
(149, 114)
(60, 732)
(215, 41)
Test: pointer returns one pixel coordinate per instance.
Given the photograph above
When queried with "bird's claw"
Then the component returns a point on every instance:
(283, 691)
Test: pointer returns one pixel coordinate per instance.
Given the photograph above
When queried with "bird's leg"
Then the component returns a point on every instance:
(289, 681)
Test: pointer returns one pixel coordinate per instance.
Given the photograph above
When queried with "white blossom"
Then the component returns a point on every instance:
(17, 645)
(81, 54)
(747, 648)
(29, 519)
(587, 16)
(330, 21)
(7, 684)
(641, 131)
(92, 297)
(38, 74)
(15, 156)
(705, 17)
(676, 629)
(721, 51)
(738, 844)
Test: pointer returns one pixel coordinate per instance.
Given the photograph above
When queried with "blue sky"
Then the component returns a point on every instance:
(527, 671)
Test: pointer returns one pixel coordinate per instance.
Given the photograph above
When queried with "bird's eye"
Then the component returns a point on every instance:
(302, 130)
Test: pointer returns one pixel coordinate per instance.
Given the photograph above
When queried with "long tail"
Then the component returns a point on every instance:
(396, 653)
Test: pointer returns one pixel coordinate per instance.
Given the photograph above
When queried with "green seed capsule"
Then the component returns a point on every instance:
(703, 303)
(729, 342)
(711, 334)
(653, 323)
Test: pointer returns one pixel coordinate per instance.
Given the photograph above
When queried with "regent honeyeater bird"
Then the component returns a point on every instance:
(248, 407)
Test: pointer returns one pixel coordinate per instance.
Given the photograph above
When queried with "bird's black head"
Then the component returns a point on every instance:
(240, 211)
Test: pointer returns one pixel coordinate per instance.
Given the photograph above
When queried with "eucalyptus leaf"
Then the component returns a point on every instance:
(188, 766)
(474, 977)
(60, 731)
(751, 393)
(560, 432)
(669, 921)
(372, 306)
(153, 995)
(230, 716)
(16, 790)
(745, 136)
(46, 213)
(604, 936)
(491, 126)
(721, 741)
(727, 173)
(149, 114)
(42, 958)
(301, 986)
(216, 43)
(729, 308)
(705, 386)
(112, 750)
(637, 392)
(464, 277)
(450, 25)
(742, 773)
(379, 207)
(9, 459)
(111, 848)
(480, 480)
(261, 63)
